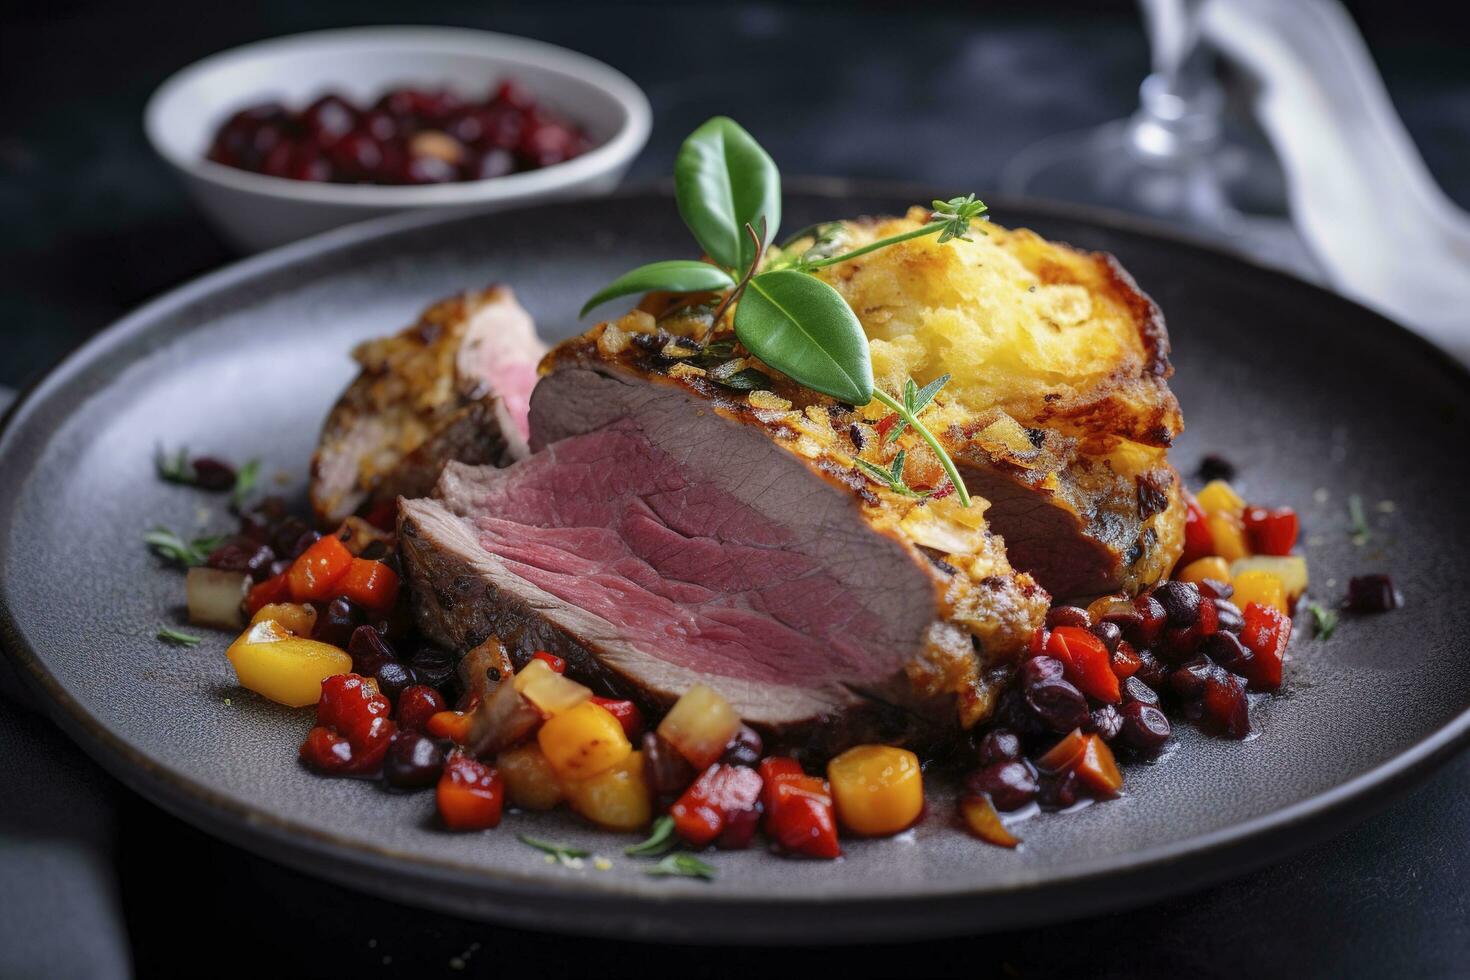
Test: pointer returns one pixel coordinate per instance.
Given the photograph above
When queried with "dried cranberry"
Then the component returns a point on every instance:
(1228, 616)
(1214, 467)
(1057, 791)
(357, 156)
(492, 163)
(416, 705)
(429, 170)
(1125, 617)
(1225, 703)
(435, 666)
(1151, 670)
(1110, 634)
(513, 93)
(337, 622)
(353, 728)
(241, 554)
(1057, 704)
(1180, 601)
(998, 745)
(1188, 680)
(1372, 594)
(1144, 727)
(369, 650)
(665, 769)
(1106, 721)
(745, 749)
(1067, 616)
(213, 474)
(1134, 689)
(740, 827)
(1039, 669)
(1010, 785)
(1014, 713)
(1151, 621)
(394, 678)
(413, 761)
(328, 119)
(1227, 651)
(286, 533)
(1213, 588)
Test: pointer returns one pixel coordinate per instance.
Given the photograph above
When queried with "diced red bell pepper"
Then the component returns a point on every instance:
(274, 589)
(1184, 640)
(1038, 641)
(470, 794)
(1225, 704)
(1066, 754)
(1266, 633)
(383, 515)
(1271, 532)
(1198, 541)
(1126, 661)
(799, 814)
(885, 425)
(314, 575)
(1086, 662)
(720, 794)
(417, 705)
(557, 664)
(352, 728)
(981, 819)
(1097, 768)
(627, 714)
(370, 584)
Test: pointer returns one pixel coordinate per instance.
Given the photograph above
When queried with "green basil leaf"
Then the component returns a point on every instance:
(803, 328)
(675, 276)
(723, 181)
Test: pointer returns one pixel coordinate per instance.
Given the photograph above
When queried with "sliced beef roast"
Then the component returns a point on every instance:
(669, 531)
(455, 385)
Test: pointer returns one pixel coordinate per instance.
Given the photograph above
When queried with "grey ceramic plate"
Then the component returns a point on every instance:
(1313, 397)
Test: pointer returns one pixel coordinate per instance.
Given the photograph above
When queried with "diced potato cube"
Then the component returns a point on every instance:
(616, 798)
(584, 741)
(700, 725)
(530, 781)
(284, 668)
(878, 789)
(548, 690)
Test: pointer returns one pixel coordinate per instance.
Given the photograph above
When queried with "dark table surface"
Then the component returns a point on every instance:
(94, 881)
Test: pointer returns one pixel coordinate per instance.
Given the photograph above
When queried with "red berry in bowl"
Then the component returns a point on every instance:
(328, 119)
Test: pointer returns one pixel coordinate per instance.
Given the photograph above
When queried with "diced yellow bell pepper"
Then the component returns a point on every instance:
(584, 741)
(1229, 536)
(284, 668)
(1219, 497)
(877, 789)
(297, 617)
(1213, 567)
(1290, 569)
(530, 782)
(616, 798)
(1263, 587)
(553, 693)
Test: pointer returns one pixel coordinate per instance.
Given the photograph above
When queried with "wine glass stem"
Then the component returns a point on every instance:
(1180, 102)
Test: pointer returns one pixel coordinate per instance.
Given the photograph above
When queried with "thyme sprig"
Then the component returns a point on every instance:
(660, 840)
(564, 854)
(172, 547)
(176, 638)
(682, 864)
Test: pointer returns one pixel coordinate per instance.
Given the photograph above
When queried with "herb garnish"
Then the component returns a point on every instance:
(660, 840)
(175, 467)
(245, 481)
(174, 548)
(1324, 621)
(892, 478)
(727, 187)
(565, 854)
(682, 865)
(178, 639)
(1361, 531)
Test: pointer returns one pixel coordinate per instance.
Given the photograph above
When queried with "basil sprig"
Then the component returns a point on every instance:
(729, 194)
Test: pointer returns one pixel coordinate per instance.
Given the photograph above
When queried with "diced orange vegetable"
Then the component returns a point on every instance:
(1228, 536)
(548, 690)
(723, 793)
(1219, 497)
(470, 794)
(878, 789)
(284, 668)
(314, 574)
(616, 798)
(1086, 661)
(453, 725)
(297, 617)
(982, 820)
(700, 725)
(1126, 661)
(1097, 767)
(798, 807)
(1213, 567)
(274, 589)
(1065, 754)
(1262, 587)
(370, 584)
(583, 742)
(530, 782)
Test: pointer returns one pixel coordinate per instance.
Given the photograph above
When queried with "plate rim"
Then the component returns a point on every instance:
(580, 904)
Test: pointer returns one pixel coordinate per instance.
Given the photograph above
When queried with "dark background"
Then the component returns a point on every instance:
(92, 225)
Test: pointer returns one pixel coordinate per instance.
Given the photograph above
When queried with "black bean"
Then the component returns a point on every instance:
(1227, 651)
(1135, 689)
(1180, 601)
(1067, 616)
(1058, 791)
(1038, 669)
(1229, 616)
(242, 554)
(305, 540)
(213, 474)
(393, 677)
(745, 749)
(665, 769)
(1106, 721)
(1372, 594)
(413, 761)
(998, 745)
(1215, 467)
(369, 651)
(1145, 727)
(1110, 634)
(1010, 785)
(336, 623)
(1213, 588)
(286, 533)
(1188, 680)
(1150, 623)
(1057, 704)
(1152, 671)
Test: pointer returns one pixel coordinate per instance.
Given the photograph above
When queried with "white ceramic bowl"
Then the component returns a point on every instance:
(255, 211)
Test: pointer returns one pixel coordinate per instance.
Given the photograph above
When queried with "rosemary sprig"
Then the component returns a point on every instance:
(245, 480)
(892, 478)
(169, 545)
(949, 220)
(908, 416)
(565, 854)
(660, 840)
(175, 638)
(916, 399)
(1324, 621)
(1361, 531)
(682, 865)
(173, 467)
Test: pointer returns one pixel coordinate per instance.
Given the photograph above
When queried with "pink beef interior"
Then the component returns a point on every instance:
(681, 567)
